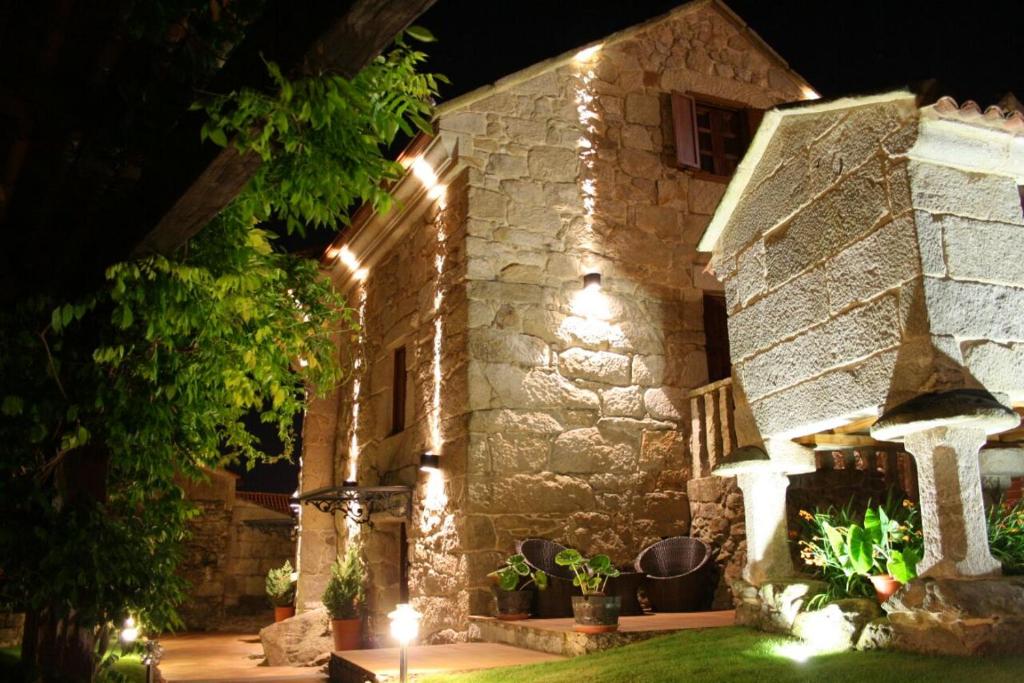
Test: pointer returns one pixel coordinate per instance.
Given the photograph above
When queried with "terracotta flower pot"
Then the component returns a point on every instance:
(347, 634)
(514, 605)
(885, 586)
(596, 613)
(282, 613)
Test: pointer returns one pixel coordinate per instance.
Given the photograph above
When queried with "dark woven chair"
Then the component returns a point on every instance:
(675, 574)
(555, 601)
(626, 585)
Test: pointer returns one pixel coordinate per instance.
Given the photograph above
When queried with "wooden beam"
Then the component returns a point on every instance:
(839, 442)
(346, 47)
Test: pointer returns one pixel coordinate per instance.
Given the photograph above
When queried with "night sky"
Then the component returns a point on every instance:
(974, 50)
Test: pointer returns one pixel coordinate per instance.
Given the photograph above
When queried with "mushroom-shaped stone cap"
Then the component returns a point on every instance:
(957, 408)
(742, 460)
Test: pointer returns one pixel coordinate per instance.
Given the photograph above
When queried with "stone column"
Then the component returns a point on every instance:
(952, 512)
(317, 544)
(764, 502)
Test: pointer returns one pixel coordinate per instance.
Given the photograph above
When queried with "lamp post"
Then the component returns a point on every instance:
(405, 625)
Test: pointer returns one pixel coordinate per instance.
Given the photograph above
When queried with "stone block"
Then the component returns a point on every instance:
(946, 190)
(666, 403)
(593, 449)
(841, 340)
(974, 310)
(541, 493)
(704, 195)
(303, 640)
(643, 109)
(553, 163)
(880, 261)
(540, 219)
(471, 122)
(878, 634)
(486, 204)
(790, 308)
(751, 277)
(773, 606)
(598, 366)
(515, 387)
(506, 166)
(640, 164)
(622, 402)
(493, 345)
(838, 625)
(983, 250)
(514, 452)
(959, 616)
(648, 371)
(998, 366)
(824, 401)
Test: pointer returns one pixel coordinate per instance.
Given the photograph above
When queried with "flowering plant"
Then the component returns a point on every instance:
(845, 549)
(1006, 535)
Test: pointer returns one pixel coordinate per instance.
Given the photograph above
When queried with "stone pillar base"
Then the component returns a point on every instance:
(773, 605)
(959, 616)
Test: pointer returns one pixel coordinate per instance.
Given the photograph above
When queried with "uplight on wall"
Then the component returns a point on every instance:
(430, 462)
(590, 303)
(592, 281)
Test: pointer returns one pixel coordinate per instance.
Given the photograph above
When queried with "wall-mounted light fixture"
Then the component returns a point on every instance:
(350, 484)
(592, 281)
(430, 462)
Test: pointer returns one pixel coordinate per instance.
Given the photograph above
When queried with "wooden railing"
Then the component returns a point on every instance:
(713, 433)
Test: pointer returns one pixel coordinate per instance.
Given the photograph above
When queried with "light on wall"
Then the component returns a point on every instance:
(430, 462)
(592, 281)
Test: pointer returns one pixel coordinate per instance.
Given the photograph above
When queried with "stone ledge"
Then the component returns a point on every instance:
(982, 616)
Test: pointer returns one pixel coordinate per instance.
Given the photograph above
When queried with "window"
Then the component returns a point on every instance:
(711, 135)
(398, 391)
(716, 337)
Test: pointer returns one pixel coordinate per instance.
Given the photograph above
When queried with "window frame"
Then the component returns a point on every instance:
(687, 136)
(399, 390)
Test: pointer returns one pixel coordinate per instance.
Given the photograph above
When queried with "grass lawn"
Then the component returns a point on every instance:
(10, 666)
(737, 654)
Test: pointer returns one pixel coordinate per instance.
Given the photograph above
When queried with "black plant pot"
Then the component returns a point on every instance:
(596, 613)
(514, 605)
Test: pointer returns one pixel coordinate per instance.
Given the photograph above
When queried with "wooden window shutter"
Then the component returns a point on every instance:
(754, 117)
(684, 124)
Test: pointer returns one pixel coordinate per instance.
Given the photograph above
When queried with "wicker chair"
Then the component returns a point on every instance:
(675, 574)
(555, 601)
(626, 585)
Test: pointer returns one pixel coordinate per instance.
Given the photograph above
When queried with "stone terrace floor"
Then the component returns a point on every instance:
(225, 658)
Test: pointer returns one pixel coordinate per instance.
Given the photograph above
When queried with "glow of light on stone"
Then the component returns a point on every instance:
(588, 53)
(357, 385)
(348, 258)
(434, 499)
(809, 93)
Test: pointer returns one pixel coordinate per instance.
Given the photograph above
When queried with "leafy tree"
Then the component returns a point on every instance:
(108, 400)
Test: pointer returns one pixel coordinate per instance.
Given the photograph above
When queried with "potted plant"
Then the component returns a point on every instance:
(593, 611)
(281, 591)
(881, 549)
(513, 579)
(344, 598)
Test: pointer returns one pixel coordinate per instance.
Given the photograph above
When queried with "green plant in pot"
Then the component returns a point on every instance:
(594, 612)
(513, 580)
(281, 590)
(344, 598)
(883, 549)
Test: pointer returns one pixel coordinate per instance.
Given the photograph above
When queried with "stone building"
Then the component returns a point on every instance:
(237, 537)
(557, 410)
(870, 250)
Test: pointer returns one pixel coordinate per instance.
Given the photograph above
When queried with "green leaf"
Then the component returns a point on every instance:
(218, 137)
(541, 579)
(568, 558)
(12, 405)
(899, 568)
(835, 538)
(421, 34)
(873, 526)
(861, 557)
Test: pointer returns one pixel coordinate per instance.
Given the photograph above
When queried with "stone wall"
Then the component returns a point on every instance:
(408, 291)
(226, 561)
(578, 408)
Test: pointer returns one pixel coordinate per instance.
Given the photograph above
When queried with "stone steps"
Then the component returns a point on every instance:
(557, 637)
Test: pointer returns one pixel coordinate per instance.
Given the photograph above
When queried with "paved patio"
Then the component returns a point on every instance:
(225, 658)
(556, 636)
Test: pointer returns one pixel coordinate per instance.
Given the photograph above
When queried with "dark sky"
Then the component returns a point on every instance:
(974, 49)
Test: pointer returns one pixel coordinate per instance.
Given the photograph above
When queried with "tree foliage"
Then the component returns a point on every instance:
(109, 400)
